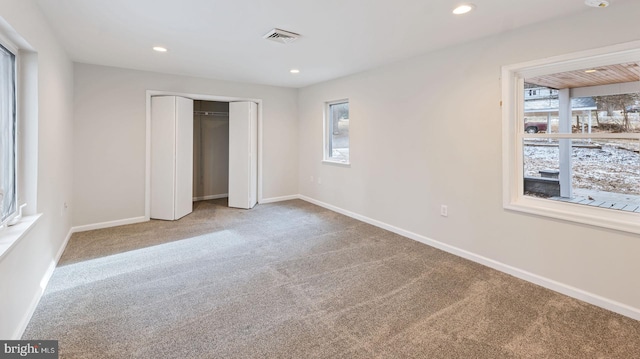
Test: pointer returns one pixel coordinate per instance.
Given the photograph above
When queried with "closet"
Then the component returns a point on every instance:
(210, 150)
(201, 150)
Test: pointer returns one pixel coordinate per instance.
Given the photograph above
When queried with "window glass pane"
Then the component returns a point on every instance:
(612, 104)
(339, 132)
(7, 135)
(582, 104)
(605, 172)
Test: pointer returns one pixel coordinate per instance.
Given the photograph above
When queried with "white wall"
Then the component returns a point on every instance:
(109, 137)
(427, 131)
(50, 131)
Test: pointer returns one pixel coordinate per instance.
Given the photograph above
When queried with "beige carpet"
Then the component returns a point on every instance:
(293, 280)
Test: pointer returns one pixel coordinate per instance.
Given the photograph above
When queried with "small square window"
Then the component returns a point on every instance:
(336, 146)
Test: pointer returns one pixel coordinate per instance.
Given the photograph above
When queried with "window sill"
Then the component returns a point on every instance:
(11, 235)
(594, 216)
(336, 163)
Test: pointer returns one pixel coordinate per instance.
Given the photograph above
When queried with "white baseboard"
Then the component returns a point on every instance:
(213, 196)
(43, 285)
(562, 288)
(120, 222)
(279, 199)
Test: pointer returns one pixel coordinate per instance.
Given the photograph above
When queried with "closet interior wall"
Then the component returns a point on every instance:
(210, 150)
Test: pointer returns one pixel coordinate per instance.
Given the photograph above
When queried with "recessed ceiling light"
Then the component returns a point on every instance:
(160, 49)
(294, 71)
(597, 3)
(463, 9)
(591, 71)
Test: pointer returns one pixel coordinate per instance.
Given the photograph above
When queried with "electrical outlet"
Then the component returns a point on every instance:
(444, 211)
(319, 180)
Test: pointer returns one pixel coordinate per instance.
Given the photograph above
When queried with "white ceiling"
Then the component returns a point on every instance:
(222, 39)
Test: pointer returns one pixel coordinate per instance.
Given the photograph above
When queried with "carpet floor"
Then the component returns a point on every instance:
(294, 280)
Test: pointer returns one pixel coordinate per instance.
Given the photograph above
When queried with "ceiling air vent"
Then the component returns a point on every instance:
(281, 36)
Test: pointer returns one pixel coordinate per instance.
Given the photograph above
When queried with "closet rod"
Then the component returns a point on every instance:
(210, 113)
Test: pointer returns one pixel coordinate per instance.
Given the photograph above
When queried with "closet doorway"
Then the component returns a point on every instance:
(210, 150)
(225, 152)
(226, 158)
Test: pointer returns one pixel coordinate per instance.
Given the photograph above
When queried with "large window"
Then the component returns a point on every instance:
(8, 193)
(336, 146)
(571, 137)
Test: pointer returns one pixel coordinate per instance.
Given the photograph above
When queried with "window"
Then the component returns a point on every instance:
(571, 137)
(8, 192)
(336, 139)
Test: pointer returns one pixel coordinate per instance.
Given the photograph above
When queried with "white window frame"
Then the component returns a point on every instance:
(513, 133)
(26, 71)
(13, 51)
(327, 133)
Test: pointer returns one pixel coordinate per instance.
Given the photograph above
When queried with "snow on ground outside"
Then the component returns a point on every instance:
(610, 169)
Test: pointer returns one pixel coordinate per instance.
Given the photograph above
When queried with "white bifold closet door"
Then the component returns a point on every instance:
(243, 154)
(171, 157)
